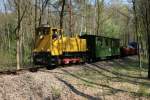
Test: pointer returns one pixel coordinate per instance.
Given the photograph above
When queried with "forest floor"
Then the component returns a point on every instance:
(119, 79)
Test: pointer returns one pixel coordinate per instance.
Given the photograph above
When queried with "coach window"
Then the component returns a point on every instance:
(113, 43)
(106, 41)
(100, 41)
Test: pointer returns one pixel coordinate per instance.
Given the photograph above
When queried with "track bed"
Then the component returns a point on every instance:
(107, 80)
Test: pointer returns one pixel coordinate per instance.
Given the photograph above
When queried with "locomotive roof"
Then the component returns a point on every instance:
(100, 36)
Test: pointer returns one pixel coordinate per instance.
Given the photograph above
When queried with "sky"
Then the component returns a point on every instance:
(1, 5)
(108, 1)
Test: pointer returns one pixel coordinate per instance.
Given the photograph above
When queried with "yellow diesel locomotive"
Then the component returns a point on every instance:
(53, 48)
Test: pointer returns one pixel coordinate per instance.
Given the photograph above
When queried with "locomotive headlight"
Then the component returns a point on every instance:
(41, 37)
(48, 50)
(34, 50)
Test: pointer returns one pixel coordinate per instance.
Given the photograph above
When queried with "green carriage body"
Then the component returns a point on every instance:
(115, 47)
(100, 47)
(103, 47)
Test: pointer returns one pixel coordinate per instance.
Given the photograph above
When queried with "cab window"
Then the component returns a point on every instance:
(42, 31)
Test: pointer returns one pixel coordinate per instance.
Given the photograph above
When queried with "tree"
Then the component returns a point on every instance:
(142, 17)
(100, 10)
(62, 14)
(20, 15)
(44, 5)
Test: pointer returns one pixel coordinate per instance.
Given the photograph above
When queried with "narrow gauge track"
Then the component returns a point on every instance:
(15, 71)
(30, 69)
(34, 68)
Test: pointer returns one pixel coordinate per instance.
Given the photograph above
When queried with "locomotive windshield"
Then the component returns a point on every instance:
(56, 33)
(42, 31)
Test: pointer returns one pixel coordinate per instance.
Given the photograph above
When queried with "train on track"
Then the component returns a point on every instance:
(53, 48)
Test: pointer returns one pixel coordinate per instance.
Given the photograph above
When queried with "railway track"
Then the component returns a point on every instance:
(32, 68)
(15, 71)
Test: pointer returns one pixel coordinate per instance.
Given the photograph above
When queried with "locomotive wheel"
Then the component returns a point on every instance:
(90, 60)
(49, 66)
(34, 61)
(59, 62)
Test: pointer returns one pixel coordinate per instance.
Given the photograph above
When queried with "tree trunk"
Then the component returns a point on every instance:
(100, 6)
(148, 57)
(70, 18)
(18, 35)
(42, 20)
(62, 14)
(136, 31)
(18, 54)
(148, 34)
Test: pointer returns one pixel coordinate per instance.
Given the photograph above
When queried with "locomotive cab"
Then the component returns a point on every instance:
(45, 39)
(45, 30)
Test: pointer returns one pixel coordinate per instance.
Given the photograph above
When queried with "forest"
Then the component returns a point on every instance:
(19, 19)
(122, 78)
(126, 20)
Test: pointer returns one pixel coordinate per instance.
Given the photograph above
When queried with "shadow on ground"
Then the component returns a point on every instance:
(77, 92)
(107, 71)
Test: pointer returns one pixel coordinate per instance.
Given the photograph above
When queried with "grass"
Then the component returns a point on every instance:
(7, 61)
(56, 92)
(115, 76)
(143, 91)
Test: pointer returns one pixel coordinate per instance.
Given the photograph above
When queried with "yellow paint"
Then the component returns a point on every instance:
(74, 44)
(59, 45)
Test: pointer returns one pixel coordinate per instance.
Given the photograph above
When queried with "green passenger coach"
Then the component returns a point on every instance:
(100, 47)
(115, 47)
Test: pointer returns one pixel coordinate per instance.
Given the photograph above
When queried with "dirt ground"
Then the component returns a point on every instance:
(119, 79)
